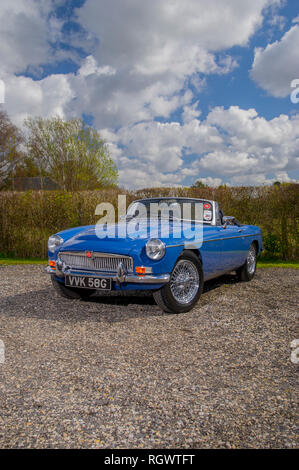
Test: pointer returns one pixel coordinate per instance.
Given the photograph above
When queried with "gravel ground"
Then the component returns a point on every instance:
(118, 373)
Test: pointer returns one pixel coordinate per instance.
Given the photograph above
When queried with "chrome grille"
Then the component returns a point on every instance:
(105, 262)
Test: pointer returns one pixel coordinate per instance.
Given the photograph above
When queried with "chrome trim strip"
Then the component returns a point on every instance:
(216, 240)
(148, 279)
(173, 197)
(96, 254)
(175, 246)
(230, 238)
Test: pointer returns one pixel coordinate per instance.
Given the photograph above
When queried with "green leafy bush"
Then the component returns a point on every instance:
(27, 219)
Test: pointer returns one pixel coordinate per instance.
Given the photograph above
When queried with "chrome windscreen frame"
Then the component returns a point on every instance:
(189, 199)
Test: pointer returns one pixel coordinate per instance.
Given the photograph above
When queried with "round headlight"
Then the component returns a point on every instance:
(155, 249)
(53, 242)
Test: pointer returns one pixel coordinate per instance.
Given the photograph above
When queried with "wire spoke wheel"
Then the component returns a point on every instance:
(251, 260)
(185, 286)
(184, 282)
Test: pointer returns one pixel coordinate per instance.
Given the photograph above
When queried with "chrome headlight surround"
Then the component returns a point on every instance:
(54, 242)
(155, 249)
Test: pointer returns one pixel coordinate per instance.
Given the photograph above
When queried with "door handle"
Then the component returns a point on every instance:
(240, 230)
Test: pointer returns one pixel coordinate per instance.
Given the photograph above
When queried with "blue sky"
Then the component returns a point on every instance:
(180, 90)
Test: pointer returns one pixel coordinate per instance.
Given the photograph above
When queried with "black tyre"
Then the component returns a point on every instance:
(185, 286)
(71, 292)
(247, 271)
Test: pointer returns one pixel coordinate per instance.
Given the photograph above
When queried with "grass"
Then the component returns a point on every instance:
(11, 261)
(265, 263)
(262, 263)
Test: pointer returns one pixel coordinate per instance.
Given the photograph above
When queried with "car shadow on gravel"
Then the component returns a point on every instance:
(47, 305)
(226, 279)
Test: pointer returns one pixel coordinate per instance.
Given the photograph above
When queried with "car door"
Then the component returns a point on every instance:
(234, 246)
(212, 253)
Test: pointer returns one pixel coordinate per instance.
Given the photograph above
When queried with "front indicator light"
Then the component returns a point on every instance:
(52, 264)
(143, 270)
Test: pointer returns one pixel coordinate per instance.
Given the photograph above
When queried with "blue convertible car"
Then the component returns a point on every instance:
(172, 250)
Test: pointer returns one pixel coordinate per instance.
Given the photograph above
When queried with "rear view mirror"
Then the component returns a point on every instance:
(228, 220)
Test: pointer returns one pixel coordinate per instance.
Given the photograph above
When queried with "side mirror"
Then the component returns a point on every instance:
(228, 220)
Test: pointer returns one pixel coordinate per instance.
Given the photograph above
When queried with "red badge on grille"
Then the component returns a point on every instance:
(89, 254)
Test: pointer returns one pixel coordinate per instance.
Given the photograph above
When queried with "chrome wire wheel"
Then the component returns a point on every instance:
(184, 282)
(251, 260)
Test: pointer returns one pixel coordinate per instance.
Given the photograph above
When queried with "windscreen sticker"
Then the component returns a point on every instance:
(207, 205)
(207, 215)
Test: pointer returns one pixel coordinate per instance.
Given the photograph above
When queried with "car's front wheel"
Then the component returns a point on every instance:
(247, 271)
(70, 292)
(185, 286)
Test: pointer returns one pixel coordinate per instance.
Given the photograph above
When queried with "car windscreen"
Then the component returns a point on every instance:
(174, 209)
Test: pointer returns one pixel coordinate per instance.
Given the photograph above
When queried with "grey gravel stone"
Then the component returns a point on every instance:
(116, 372)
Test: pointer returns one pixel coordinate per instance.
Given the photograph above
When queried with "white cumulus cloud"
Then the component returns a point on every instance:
(149, 62)
(231, 145)
(26, 30)
(47, 97)
(276, 66)
(154, 49)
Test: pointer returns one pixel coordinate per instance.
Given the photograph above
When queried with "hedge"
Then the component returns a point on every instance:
(27, 219)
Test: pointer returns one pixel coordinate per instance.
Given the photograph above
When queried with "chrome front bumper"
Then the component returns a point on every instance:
(120, 277)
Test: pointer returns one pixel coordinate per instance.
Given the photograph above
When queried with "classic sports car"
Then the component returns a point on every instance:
(174, 265)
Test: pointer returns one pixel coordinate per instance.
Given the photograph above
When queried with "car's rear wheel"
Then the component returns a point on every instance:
(70, 292)
(184, 288)
(247, 271)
